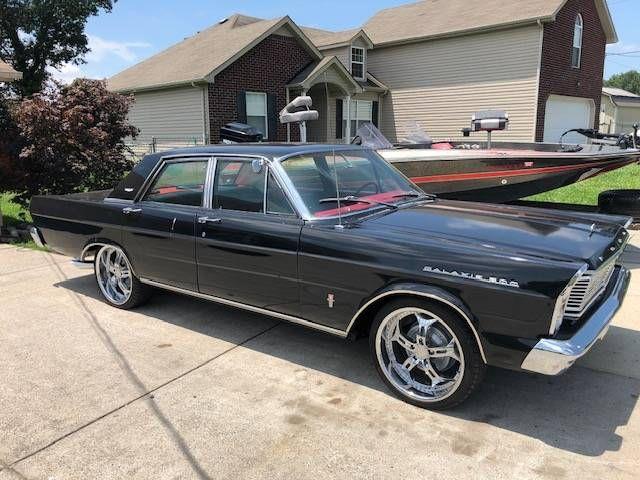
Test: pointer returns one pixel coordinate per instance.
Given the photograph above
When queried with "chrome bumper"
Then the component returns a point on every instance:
(552, 357)
(37, 238)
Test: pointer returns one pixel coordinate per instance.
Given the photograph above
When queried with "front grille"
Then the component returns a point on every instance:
(588, 289)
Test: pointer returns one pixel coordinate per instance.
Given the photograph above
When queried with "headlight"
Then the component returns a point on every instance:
(563, 298)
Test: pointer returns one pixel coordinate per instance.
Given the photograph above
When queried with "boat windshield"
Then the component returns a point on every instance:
(364, 181)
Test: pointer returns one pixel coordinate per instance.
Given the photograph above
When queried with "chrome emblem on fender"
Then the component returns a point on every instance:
(473, 276)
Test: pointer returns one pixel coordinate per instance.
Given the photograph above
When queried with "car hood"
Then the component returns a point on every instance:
(551, 234)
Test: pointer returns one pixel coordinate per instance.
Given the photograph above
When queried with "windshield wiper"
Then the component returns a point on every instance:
(415, 195)
(352, 199)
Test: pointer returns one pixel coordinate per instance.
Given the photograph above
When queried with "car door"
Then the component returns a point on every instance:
(159, 229)
(247, 239)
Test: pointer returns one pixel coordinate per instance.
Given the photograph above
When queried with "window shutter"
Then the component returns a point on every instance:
(272, 117)
(339, 103)
(375, 109)
(242, 107)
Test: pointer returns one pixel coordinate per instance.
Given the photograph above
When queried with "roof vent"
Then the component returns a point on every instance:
(224, 20)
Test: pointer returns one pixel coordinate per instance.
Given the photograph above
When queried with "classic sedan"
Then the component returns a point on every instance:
(334, 238)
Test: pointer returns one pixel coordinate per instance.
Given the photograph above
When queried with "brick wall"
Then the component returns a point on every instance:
(556, 74)
(268, 68)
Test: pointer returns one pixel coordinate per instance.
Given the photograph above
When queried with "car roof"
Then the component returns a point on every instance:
(270, 150)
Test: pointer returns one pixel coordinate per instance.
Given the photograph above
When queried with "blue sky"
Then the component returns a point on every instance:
(136, 29)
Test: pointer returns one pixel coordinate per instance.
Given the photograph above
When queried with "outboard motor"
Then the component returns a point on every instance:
(488, 121)
(236, 132)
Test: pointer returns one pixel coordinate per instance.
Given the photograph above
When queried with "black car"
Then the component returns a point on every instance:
(336, 239)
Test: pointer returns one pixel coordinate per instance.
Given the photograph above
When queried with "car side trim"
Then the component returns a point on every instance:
(431, 296)
(251, 308)
(86, 249)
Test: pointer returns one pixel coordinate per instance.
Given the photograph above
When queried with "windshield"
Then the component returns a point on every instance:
(364, 181)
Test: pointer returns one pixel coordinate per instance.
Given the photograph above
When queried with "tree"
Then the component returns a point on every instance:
(629, 81)
(37, 34)
(73, 140)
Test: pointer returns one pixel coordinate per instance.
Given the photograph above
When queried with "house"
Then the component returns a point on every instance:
(620, 110)
(435, 62)
(7, 73)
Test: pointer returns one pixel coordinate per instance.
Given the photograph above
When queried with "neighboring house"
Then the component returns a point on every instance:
(7, 73)
(620, 110)
(435, 62)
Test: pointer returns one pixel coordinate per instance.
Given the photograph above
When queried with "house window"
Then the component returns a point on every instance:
(576, 54)
(257, 112)
(361, 112)
(357, 62)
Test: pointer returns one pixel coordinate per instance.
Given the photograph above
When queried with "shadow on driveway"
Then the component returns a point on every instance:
(578, 412)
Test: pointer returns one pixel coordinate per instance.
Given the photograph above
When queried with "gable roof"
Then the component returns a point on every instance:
(439, 18)
(7, 73)
(306, 77)
(326, 39)
(200, 57)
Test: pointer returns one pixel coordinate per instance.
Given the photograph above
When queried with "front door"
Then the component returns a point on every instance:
(247, 241)
(159, 230)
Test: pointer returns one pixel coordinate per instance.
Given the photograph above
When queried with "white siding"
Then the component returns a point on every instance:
(170, 114)
(341, 52)
(441, 83)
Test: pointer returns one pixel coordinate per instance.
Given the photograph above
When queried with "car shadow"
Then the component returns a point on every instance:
(579, 411)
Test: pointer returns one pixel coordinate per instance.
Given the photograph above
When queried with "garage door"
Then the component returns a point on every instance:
(565, 113)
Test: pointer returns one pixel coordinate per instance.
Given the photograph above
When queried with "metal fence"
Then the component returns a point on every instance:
(140, 147)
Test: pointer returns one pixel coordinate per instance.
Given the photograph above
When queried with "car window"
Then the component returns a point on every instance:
(180, 183)
(238, 187)
(343, 182)
(277, 201)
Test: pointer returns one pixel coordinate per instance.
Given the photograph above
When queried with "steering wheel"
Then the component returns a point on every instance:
(357, 194)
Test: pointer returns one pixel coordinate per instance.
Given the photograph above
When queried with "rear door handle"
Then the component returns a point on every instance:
(205, 220)
(130, 210)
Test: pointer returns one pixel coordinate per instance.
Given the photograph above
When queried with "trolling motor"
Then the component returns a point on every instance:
(623, 141)
(299, 111)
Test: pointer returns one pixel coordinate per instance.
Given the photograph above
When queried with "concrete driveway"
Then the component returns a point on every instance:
(182, 388)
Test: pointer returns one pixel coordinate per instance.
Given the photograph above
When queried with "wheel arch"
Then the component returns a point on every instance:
(92, 248)
(365, 313)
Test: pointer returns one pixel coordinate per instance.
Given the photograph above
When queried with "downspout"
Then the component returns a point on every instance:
(537, 104)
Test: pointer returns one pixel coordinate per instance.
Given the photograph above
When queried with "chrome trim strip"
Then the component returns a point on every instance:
(552, 357)
(207, 201)
(83, 255)
(629, 223)
(421, 294)
(560, 306)
(251, 308)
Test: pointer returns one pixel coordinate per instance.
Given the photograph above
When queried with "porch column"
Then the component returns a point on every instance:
(347, 130)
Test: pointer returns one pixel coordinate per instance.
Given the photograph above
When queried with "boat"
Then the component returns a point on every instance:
(497, 172)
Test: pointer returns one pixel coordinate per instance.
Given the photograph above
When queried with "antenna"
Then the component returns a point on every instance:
(333, 153)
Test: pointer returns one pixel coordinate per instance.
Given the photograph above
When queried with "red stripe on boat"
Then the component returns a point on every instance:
(501, 174)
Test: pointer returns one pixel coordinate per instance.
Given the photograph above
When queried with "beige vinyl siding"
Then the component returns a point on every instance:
(342, 53)
(607, 115)
(617, 118)
(170, 114)
(441, 83)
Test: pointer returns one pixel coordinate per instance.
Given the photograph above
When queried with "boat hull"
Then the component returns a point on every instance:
(500, 176)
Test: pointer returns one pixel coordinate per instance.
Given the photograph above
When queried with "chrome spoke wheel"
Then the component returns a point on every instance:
(419, 354)
(113, 273)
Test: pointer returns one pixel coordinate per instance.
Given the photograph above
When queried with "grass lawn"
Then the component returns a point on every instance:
(14, 214)
(586, 193)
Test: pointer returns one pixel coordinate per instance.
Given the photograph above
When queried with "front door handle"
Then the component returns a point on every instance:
(130, 210)
(204, 220)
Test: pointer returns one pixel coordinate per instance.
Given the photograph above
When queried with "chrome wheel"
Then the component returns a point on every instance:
(419, 354)
(113, 273)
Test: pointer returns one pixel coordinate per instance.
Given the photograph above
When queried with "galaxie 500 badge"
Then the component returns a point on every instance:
(472, 276)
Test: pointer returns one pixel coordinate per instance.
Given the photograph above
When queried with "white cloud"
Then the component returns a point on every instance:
(622, 47)
(101, 49)
(67, 73)
(101, 52)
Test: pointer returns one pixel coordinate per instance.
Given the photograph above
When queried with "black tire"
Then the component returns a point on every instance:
(620, 202)
(139, 294)
(474, 366)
